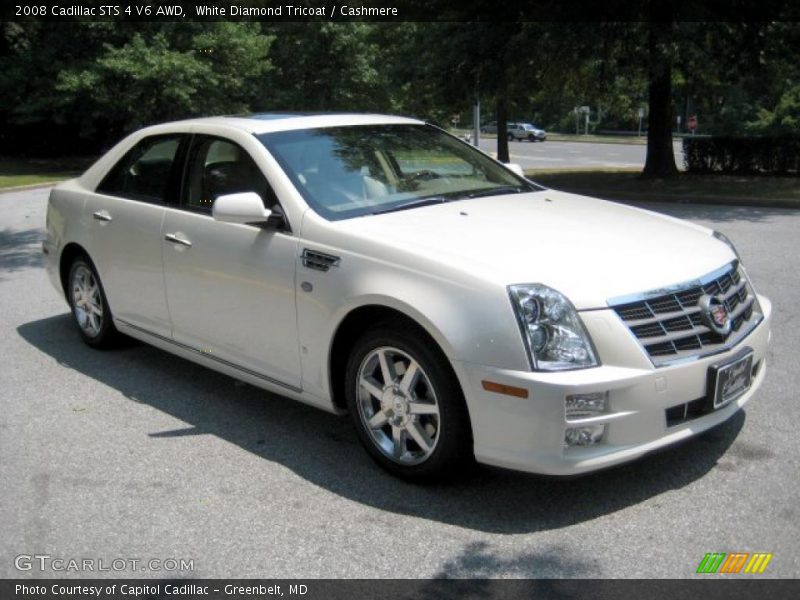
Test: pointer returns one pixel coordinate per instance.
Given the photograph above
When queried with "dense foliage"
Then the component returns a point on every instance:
(750, 155)
(77, 87)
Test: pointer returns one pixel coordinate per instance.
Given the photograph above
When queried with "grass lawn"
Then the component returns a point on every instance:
(598, 139)
(16, 171)
(629, 185)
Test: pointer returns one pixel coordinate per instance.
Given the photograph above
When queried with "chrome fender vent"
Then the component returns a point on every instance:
(319, 261)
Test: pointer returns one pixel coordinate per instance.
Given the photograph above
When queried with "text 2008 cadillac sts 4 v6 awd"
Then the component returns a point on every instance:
(377, 265)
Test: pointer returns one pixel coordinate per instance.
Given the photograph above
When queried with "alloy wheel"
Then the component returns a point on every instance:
(87, 301)
(398, 406)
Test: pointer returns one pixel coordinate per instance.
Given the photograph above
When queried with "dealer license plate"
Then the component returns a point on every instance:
(730, 380)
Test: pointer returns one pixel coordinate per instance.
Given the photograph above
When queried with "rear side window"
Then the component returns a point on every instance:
(148, 172)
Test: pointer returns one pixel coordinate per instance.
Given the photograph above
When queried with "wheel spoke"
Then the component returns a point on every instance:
(398, 441)
(423, 408)
(378, 420)
(420, 436)
(371, 386)
(387, 368)
(410, 377)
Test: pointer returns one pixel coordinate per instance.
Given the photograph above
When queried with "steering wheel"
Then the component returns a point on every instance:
(423, 175)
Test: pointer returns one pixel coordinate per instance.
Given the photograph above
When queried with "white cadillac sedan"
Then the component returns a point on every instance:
(378, 266)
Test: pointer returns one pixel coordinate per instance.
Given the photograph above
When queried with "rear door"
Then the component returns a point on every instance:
(125, 216)
(230, 287)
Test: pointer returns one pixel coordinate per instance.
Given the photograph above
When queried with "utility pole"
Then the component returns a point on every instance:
(476, 123)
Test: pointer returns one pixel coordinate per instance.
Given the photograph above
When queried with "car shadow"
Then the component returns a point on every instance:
(20, 249)
(322, 448)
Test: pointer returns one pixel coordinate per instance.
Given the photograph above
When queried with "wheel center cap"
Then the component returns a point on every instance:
(399, 406)
(396, 403)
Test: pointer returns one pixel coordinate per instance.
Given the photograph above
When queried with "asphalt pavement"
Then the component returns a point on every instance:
(577, 155)
(135, 454)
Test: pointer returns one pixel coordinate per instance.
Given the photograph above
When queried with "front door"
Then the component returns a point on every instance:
(230, 287)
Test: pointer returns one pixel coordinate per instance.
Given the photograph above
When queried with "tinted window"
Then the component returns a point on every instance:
(350, 171)
(147, 172)
(218, 167)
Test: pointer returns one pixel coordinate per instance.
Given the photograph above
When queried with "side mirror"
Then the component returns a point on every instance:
(246, 208)
(515, 168)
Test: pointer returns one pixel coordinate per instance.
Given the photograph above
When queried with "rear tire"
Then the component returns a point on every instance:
(89, 305)
(406, 405)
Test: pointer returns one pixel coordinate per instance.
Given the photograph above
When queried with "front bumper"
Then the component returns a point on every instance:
(528, 434)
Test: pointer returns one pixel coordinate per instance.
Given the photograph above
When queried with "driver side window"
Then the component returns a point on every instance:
(218, 167)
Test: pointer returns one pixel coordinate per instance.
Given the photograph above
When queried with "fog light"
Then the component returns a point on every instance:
(584, 436)
(584, 406)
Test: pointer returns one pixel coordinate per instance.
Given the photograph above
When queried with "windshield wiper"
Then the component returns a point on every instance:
(412, 204)
(428, 200)
(496, 191)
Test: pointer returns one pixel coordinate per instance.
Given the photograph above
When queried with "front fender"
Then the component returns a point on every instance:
(471, 321)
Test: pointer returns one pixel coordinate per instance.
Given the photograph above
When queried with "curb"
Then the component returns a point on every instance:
(31, 186)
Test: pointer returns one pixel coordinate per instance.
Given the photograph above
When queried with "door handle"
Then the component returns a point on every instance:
(102, 215)
(175, 238)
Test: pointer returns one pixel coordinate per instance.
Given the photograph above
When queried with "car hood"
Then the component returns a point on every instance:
(591, 250)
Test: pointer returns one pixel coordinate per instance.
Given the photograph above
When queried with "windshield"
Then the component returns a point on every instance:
(345, 172)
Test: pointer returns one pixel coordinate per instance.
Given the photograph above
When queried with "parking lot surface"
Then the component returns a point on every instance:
(136, 454)
(577, 155)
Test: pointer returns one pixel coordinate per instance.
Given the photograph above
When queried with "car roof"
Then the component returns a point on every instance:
(251, 124)
(267, 122)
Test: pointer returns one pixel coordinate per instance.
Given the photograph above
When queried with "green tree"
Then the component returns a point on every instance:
(103, 81)
(322, 67)
(169, 75)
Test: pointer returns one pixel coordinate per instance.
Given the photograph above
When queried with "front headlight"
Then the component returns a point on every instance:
(553, 333)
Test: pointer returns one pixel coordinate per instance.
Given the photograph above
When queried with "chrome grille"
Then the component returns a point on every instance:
(668, 323)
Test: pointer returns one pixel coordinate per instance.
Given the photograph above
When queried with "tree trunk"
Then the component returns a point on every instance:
(502, 128)
(660, 160)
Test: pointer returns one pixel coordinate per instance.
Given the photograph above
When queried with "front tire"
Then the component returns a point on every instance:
(406, 405)
(89, 305)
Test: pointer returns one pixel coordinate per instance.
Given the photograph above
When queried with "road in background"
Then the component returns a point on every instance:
(134, 453)
(577, 155)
